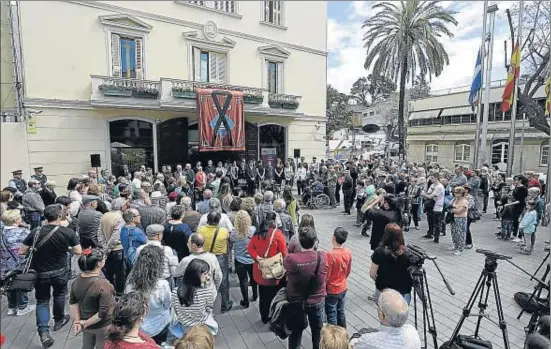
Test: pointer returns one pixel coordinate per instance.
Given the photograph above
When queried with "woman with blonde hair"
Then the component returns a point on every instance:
(460, 209)
(240, 237)
(198, 337)
(334, 337)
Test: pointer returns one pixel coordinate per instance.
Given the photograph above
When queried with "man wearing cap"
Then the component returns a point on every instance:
(33, 204)
(39, 175)
(18, 183)
(89, 221)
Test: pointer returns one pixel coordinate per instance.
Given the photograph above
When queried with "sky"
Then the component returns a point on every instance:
(347, 54)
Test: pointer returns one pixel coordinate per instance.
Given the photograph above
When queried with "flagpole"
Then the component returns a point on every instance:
(511, 149)
(482, 69)
(482, 157)
(521, 160)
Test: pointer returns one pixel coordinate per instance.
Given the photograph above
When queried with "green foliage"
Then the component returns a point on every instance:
(338, 111)
(379, 89)
(420, 88)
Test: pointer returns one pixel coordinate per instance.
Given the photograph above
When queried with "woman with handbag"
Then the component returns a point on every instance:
(459, 209)
(13, 235)
(268, 248)
(92, 299)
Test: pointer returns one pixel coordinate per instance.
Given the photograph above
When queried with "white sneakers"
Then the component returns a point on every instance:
(458, 253)
(28, 309)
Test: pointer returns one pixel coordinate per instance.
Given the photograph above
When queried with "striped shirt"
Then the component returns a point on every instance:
(32, 202)
(196, 313)
(152, 215)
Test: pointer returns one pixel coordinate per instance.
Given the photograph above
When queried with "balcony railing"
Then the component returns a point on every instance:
(182, 93)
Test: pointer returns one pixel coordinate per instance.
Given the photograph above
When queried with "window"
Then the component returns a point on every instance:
(224, 6)
(127, 57)
(462, 153)
(209, 66)
(544, 154)
(274, 76)
(499, 152)
(371, 113)
(431, 153)
(272, 12)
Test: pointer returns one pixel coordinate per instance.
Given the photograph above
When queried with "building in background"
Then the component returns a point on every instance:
(442, 127)
(118, 79)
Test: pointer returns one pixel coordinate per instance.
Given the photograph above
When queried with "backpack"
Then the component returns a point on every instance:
(130, 252)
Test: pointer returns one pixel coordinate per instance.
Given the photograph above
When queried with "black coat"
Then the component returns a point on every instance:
(48, 197)
(380, 219)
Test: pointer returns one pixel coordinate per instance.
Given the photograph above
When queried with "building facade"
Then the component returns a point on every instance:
(442, 129)
(118, 79)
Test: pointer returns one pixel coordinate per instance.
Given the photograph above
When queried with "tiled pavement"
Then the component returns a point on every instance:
(241, 328)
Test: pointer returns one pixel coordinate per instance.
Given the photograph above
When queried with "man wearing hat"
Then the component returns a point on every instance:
(18, 183)
(39, 175)
(33, 204)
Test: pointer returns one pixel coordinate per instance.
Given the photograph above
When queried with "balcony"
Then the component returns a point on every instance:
(173, 94)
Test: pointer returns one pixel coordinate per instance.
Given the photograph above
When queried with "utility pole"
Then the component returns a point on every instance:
(511, 150)
(521, 161)
(482, 157)
(482, 69)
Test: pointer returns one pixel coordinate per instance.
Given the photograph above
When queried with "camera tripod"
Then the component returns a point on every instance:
(422, 291)
(542, 305)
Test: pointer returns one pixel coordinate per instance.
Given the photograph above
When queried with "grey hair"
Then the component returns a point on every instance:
(394, 307)
(279, 205)
(117, 204)
(186, 202)
(33, 181)
(268, 196)
(214, 204)
(154, 229)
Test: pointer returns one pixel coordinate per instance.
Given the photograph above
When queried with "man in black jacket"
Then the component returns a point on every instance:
(348, 191)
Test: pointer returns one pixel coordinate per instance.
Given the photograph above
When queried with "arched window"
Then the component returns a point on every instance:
(462, 152)
(544, 154)
(431, 153)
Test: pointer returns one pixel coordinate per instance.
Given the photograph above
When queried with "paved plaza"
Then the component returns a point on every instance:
(241, 328)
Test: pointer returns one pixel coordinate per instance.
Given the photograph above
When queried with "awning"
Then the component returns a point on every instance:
(464, 110)
(425, 114)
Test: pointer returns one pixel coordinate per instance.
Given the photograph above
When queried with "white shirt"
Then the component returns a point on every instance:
(405, 337)
(137, 183)
(301, 174)
(224, 222)
(437, 192)
(171, 261)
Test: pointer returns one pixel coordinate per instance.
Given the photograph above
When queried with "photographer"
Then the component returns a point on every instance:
(390, 264)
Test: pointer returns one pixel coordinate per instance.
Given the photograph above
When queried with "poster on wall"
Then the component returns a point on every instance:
(269, 155)
(221, 120)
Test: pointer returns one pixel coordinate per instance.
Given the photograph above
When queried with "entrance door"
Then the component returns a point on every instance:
(131, 143)
(272, 141)
(172, 142)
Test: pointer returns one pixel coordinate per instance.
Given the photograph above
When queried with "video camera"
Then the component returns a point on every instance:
(417, 255)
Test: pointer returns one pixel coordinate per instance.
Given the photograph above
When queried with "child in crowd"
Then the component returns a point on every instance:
(339, 266)
(528, 225)
(507, 214)
(360, 199)
(334, 337)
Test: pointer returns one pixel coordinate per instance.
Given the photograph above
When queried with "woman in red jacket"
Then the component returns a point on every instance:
(259, 248)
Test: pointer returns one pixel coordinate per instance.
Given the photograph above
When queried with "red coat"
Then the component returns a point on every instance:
(257, 248)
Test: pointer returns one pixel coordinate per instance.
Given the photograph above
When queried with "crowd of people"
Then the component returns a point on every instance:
(155, 250)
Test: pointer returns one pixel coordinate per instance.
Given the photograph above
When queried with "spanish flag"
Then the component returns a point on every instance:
(548, 100)
(514, 71)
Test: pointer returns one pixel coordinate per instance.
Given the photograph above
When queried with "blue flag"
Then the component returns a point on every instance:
(477, 81)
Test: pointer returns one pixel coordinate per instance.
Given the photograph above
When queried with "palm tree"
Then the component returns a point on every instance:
(402, 39)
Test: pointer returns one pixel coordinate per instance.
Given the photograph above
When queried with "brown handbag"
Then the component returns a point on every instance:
(272, 268)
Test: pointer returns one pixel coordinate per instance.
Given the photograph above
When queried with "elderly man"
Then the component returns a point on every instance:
(261, 210)
(195, 245)
(394, 333)
(154, 237)
(286, 224)
(178, 173)
(152, 214)
(137, 181)
(33, 204)
(214, 206)
(459, 179)
(203, 206)
(110, 227)
(189, 174)
(159, 184)
(191, 217)
(88, 222)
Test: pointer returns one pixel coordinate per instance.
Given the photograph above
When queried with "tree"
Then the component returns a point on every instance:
(420, 88)
(402, 40)
(338, 111)
(378, 89)
(534, 59)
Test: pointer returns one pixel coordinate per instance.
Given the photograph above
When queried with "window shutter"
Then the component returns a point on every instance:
(266, 11)
(196, 64)
(221, 59)
(213, 67)
(280, 78)
(116, 55)
(277, 12)
(139, 58)
(267, 74)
